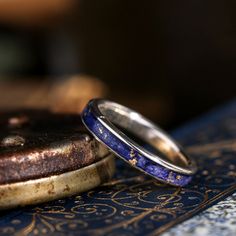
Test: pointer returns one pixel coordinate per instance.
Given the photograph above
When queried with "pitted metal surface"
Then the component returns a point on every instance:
(38, 143)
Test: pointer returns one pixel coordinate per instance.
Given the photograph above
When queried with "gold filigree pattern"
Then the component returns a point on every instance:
(134, 204)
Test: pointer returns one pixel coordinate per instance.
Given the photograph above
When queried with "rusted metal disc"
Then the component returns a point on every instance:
(57, 186)
(46, 156)
(36, 144)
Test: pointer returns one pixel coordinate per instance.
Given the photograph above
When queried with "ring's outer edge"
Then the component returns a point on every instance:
(93, 105)
(172, 177)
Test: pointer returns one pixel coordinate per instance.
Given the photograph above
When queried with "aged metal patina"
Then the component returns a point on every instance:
(36, 143)
(45, 156)
(56, 186)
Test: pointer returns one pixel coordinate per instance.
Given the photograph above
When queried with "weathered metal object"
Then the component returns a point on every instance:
(38, 143)
(45, 156)
(56, 186)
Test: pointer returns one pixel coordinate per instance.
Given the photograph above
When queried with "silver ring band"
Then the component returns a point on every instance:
(109, 116)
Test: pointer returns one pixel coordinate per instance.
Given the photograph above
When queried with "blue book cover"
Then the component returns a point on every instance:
(134, 204)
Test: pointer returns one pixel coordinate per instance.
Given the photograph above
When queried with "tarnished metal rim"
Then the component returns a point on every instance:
(37, 143)
(56, 186)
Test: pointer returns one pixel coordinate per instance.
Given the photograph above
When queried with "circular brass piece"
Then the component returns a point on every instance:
(38, 143)
(56, 186)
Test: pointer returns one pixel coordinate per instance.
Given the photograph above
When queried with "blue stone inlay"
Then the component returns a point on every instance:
(135, 158)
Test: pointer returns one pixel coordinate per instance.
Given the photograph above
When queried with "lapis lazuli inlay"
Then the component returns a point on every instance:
(130, 155)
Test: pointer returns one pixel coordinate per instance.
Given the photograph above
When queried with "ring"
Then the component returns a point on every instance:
(158, 155)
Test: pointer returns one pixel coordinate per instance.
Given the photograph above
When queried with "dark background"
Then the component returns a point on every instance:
(180, 54)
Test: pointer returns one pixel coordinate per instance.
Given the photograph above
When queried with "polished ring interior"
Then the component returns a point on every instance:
(171, 165)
